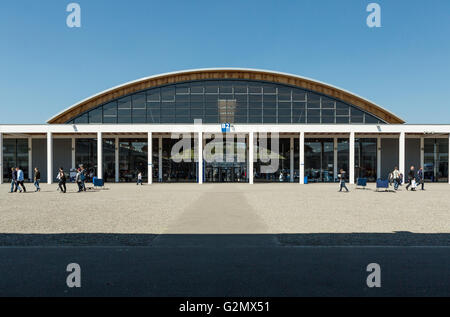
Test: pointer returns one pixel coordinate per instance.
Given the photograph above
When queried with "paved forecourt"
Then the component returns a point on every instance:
(314, 214)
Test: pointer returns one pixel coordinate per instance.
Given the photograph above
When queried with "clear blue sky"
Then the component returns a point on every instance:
(403, 66)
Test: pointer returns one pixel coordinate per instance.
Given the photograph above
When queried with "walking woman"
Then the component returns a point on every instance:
(396, 177)
(37, 179)
(62, 180)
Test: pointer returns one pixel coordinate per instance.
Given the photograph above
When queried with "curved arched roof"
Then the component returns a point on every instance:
(217, 74)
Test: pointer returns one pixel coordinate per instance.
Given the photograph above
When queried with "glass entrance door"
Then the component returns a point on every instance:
(319, 160)
(230, 168)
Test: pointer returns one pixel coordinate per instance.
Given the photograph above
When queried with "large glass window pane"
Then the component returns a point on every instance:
(313, 101)
(109, 160)
(139, 112)
(15, 154)
(124, 110)
(197, 88)
(366, 158)
(168, 94)
(284, 94)
(110, 112)
(133, 158)
(436, 159)
(82, 119)
(86, 155)
(298, 95)
(343, 156)
(95, 115)
(178, 167)
(319, 160)
(356, 116)
(212, 87)
(240, 88)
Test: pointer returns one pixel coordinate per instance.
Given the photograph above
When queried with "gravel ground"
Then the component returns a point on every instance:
(314, 214)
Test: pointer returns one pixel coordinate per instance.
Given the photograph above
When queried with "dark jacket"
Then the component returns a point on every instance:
(411, 174)
(420, 175)
(37, 175)
(14, 175)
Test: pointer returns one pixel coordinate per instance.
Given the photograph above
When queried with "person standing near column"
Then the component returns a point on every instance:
(37, 179)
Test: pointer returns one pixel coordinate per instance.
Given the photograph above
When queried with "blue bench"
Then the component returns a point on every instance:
(98, 182)
(383, 184)
(361, 182)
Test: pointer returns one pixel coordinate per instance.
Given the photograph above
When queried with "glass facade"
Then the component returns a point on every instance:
(181, 166)
(319, 160)
(231, 166)
(15, 154)
(282, 172)
(109, 160)
(133, 158)
(230, 101)
(436, 160)
(366, 158)
(342, 156)
(86, 155)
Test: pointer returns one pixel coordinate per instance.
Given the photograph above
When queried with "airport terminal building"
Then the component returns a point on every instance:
(311, 129)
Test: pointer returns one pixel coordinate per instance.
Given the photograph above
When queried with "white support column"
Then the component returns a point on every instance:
(1, 158)
(251, 152)
(291, 153)
(379, 157)
(150, 158)
(49, 158)
(116, 159)
(351, 158)
(401, 154)
(30, 159)
(335, 158)
(200, 157)
(73, 153)
(160, 161)
(99, 155)
(301, 157)
(422, 152)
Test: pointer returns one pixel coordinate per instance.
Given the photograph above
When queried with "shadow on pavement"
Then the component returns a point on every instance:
(401, 238)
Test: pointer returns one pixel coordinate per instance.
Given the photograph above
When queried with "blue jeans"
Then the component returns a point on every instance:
(396, 183)
(343, 186)
(13, 185)
(36, 184)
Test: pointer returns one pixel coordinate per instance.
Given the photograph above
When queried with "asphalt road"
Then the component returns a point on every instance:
(227, 271)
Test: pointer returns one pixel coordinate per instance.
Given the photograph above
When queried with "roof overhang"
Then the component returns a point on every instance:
(223, 73)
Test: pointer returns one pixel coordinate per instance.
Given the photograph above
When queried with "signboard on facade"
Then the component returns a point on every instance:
(226, 127)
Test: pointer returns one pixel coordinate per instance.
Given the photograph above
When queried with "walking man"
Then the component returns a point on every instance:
(341, 177)
(13, 180)
(411, 176)
(420, 178)
(37, 179)
(20, 180)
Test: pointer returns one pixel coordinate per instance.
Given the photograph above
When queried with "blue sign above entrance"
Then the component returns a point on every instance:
(226, 127)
